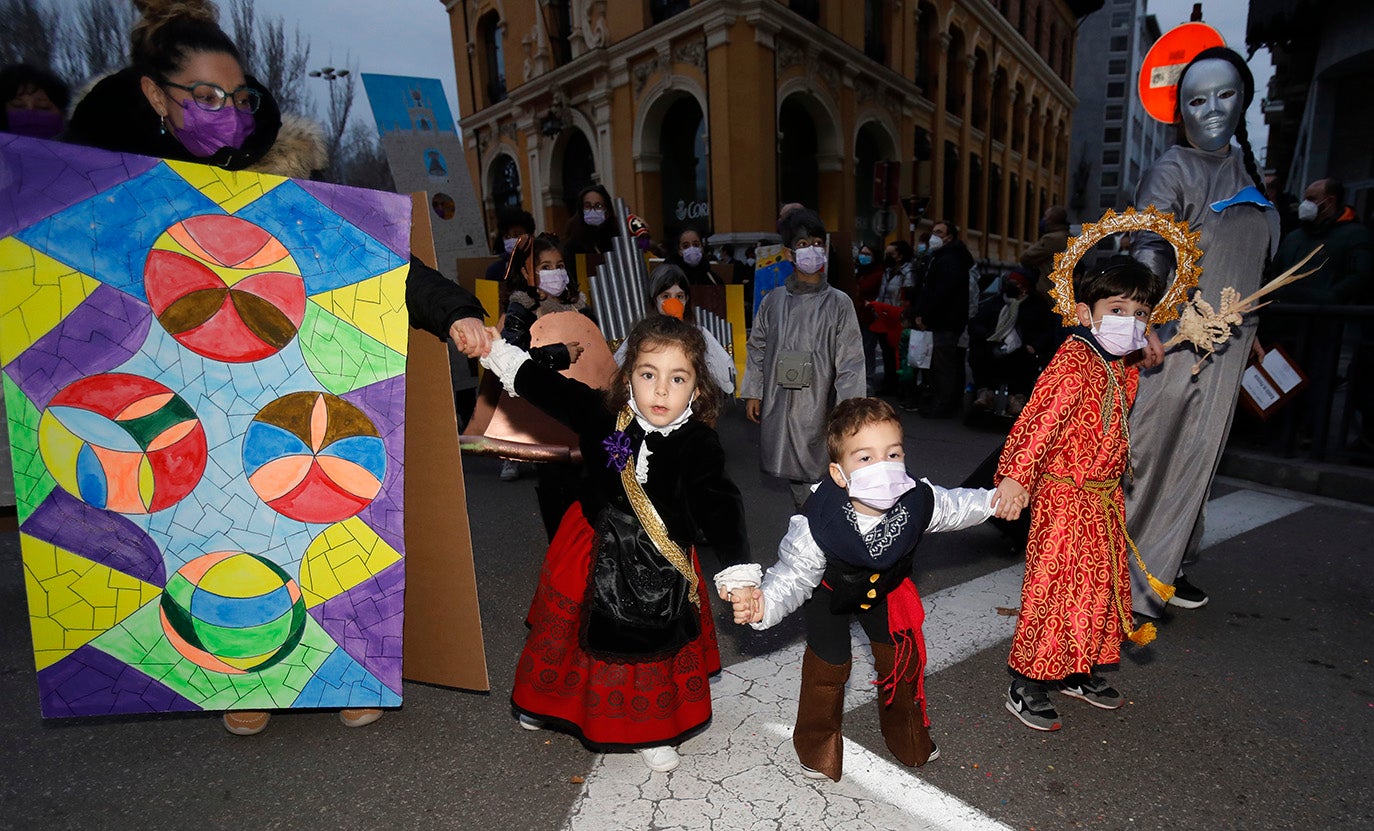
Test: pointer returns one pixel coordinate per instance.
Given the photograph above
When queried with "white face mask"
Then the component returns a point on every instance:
(936, 242)
(509, 243)
(553, 281)
(811, 260)
(1119, 334)
(1308, 210)
(879, 485)
(692, 256)
(594, 217)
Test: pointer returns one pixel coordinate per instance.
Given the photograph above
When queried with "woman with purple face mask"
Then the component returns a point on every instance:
(35, 102)
(591, 230)
(186, 97)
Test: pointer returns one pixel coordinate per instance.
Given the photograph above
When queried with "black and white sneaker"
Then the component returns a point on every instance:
(1033, 707)
(934, 753)
(1093, 690)
(1187, 596)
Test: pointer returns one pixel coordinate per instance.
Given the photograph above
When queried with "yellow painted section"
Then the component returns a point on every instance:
(36, 293)
(346, 554)
(734, 315)
(377, 307)
(145, 480)
(240, 576)
(231, 189)
(72, 600)
(489, 295)
(59, 448)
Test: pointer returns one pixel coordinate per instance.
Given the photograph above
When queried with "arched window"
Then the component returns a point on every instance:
(975, 193)
(1033, 152)
(797, 176)
(981, 91)
(1001, 103)
(875, 30)
(684, 166)
(928, 49)
(489, 30)
(872, 146)
(950, 206)
(955, 68)
(505, 183)
(579, 168)
(995, 200)
(1014, 208)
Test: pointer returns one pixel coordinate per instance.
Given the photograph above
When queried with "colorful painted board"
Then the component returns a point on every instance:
(204, 375)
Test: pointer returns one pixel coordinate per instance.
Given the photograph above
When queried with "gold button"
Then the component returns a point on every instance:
(865, 606)
(873, 578)
(872, 593)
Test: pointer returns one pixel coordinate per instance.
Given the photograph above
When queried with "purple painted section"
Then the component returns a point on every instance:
(90, 683)
(39, 178)
(383, 216)
(100, 536)
(367, 621)
(106, 330)
(385, 403)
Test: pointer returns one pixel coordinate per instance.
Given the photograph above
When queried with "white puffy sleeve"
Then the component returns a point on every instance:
(795, 575)
(957, 508)
(505, 360)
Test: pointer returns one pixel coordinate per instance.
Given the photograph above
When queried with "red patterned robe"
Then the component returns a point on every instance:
(1076, 591)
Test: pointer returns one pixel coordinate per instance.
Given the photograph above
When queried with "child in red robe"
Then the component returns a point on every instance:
(1069, 449)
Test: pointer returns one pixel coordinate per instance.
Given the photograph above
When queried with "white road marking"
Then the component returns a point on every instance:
(743, 774)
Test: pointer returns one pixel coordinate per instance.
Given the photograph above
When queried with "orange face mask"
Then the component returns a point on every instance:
(674, 308)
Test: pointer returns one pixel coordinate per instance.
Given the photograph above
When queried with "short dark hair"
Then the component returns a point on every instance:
(661, 330)
(664, 277)
(949, 225)
(852, 415)
(168, 33)
(904, 250)
(510, 217)
(801, 222)
(1120, 275)
(1334, 188)
(16, 77)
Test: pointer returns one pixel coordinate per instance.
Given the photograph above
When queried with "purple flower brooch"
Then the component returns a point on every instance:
(618, 450)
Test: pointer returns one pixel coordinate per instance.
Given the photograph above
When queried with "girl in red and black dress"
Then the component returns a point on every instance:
(621, 640)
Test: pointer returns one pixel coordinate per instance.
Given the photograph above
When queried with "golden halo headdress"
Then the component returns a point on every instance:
(1186, 255)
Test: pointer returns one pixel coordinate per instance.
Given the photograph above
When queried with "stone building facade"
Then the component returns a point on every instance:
(715, 112)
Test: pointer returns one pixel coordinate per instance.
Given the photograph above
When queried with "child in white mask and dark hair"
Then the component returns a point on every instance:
(850, 552)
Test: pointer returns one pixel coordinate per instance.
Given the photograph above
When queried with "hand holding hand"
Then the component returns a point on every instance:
(471, 337)
(1009, 499)
(747, 603)
(575, 351)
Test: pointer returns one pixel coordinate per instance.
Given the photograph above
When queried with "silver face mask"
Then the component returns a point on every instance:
(1211, 98)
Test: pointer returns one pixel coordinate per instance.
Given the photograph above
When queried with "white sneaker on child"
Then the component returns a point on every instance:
(662, 758)
(530, 723)
(810, 773)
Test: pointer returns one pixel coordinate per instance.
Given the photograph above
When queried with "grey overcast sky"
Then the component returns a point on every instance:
(411, 37)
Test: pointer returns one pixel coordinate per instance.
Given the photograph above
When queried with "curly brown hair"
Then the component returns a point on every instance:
(653, 333)
(852, 415)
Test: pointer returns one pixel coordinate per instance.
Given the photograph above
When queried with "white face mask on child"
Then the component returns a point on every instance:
(1120, 335)
(879, 485)
(553, 281)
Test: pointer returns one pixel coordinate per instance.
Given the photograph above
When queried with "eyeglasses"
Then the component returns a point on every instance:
(213, 98)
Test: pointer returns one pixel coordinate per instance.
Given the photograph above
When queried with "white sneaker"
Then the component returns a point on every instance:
(811, 773)
(662, 758)
(510, 470)
(530, 723)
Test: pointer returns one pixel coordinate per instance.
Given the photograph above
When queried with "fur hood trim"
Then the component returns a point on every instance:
(298, 152)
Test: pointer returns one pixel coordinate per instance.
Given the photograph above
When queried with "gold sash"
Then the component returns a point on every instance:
(652, 522)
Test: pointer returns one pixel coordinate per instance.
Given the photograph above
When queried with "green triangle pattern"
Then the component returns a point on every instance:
(139, 641)
(32, 482)
(342, 357)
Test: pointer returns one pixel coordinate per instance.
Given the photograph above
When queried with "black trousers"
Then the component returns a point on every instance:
(828, 633)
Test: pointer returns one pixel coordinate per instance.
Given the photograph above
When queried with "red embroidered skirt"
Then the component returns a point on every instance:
(607, 704)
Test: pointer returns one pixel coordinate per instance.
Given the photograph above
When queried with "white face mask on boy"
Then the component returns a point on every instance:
(879, 485)
(1120, 335)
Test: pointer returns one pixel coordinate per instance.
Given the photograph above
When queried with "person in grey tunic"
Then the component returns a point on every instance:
(805, 355)
(1180, 421)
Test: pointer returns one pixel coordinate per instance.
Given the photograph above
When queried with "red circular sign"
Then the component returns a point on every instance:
(1165, 62)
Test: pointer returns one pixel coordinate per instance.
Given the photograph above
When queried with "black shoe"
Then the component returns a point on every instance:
(1032, 706)
(1187, 596)
(1093, 690)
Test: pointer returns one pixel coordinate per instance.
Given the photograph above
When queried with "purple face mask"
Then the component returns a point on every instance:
(880, 485)
(204, 132)
(43, 124)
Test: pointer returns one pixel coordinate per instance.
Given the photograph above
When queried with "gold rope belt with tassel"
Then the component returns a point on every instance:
(652, 522)
(1104, 489)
